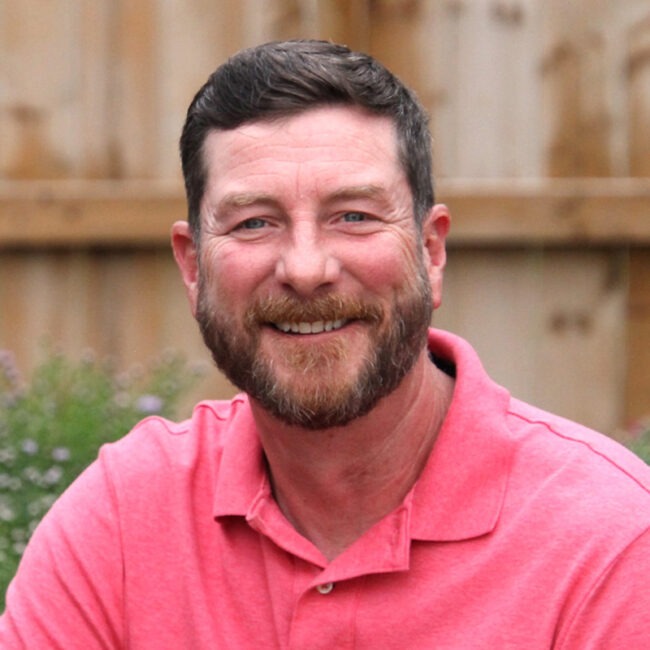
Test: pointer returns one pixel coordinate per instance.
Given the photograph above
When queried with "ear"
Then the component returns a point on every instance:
(434, 236)
(187, 258)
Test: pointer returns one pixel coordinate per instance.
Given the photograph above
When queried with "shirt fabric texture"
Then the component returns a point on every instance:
(524, 531)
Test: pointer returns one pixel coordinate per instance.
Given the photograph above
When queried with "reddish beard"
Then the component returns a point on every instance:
(316, 397)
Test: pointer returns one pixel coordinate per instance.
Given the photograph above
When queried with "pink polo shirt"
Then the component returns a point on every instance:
(524, 531)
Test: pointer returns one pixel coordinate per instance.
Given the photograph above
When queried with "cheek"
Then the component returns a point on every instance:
(232, 275)
(392, 264)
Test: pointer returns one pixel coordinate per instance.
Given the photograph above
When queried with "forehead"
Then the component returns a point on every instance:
(324, 142)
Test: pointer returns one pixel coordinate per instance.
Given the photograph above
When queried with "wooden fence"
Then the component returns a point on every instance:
(541, 120)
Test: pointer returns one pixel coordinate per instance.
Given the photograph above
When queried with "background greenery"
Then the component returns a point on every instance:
(637, 438)
(52, 427)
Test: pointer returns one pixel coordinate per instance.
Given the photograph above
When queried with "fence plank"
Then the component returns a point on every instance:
(637, 403)
(548, 324)
(38, 53)
(638, 77)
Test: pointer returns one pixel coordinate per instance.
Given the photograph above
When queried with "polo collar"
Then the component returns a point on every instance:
(242, 474)
(243, 488)
(462, 487)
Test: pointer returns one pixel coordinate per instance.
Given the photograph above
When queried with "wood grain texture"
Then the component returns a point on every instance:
(610, 212)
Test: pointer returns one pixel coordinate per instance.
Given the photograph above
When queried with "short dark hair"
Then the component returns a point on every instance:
(286, 78)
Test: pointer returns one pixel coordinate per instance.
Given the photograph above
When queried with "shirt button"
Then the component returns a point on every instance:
(326, 588)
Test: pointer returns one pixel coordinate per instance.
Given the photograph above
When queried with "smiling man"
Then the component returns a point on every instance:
(370, 487)
(283, 285)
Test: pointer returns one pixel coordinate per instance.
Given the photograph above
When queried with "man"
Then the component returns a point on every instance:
(371, 487)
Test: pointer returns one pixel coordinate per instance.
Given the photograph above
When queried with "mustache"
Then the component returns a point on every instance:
(330, 307)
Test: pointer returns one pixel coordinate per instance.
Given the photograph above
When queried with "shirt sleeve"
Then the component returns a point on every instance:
(67, 592)
(614, 614)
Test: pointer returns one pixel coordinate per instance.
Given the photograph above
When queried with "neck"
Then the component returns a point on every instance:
(334, 484)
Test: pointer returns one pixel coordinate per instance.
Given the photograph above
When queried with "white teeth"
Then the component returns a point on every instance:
(311, 328)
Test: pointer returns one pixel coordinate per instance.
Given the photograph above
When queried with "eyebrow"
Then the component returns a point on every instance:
(358, 192)
(245, 199)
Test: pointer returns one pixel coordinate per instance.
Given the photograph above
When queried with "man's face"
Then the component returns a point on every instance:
(314, 289)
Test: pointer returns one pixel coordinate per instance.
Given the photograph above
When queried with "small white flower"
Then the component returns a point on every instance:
(7, 455)
(29, 446)
(12, 483)
(61, 454)
(48, 501)
(32, 474)
(6, 512)
(149, 404)
(19, 548)
(53, 475)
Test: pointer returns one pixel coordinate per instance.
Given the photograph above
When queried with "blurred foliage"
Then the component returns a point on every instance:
(637, 438)
(52, 427)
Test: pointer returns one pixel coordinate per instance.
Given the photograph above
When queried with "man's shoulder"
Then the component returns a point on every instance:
(575, 457)
(157, 444)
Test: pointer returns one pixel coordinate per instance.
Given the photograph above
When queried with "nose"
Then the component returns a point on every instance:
(306, 262)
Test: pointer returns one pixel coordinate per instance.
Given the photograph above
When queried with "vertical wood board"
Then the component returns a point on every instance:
(638, 338)
(548, 324)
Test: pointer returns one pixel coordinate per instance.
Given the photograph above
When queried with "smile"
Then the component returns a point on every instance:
(311, 328)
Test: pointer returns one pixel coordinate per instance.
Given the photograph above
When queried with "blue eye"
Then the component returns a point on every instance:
(354, 217)
(252, 224)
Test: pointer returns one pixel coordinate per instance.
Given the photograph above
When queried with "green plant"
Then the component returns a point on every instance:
(52, 427)
(637, 438)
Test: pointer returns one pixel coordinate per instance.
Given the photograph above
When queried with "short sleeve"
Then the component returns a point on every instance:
(67, 592)
(614, 615)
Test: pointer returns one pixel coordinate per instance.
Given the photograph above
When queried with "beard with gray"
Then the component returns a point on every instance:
(316, 398)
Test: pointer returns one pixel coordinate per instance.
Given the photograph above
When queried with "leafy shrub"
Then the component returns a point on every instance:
(637, 438)
(52, 427)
